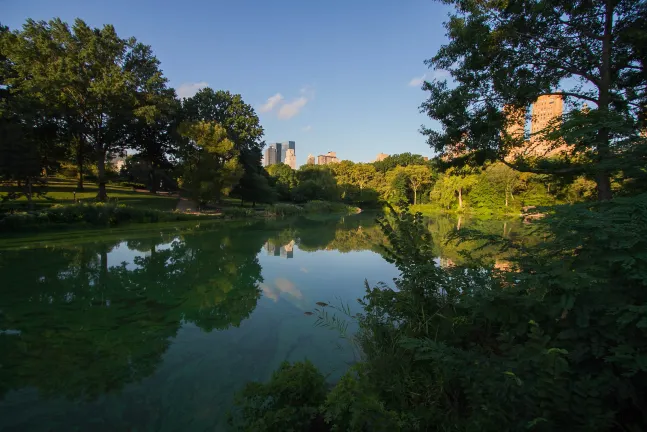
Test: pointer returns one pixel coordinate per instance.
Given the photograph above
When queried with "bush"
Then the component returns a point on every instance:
(238, 212)
(98, 214)
(328, 207)
(282, 209)
(556, 341)
(290, 401)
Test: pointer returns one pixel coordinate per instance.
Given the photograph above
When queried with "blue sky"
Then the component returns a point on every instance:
(336, 75)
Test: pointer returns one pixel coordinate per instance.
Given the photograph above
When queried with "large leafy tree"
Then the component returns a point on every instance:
(213, 169)
(97, 82)
(29, 134)
(505, 54)
(419, 176)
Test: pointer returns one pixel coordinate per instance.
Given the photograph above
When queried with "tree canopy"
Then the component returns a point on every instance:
(503, 55)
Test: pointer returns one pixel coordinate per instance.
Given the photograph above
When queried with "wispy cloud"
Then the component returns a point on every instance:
(290, 109)
(287, 109)
(187, 90)
(271, 103)
(307, 128)
(441, 74)
(417, 81)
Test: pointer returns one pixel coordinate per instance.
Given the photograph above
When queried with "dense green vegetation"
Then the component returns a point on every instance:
(72, 98)
(501, 334)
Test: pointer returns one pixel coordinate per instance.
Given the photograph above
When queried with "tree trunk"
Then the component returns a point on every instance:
(604, 186)
(79, 164)
(506, 199)
(460, 198)
(153, 181)
(415, 196)
(29, 194)
(458, 223)
(102, 195)
(602, 176)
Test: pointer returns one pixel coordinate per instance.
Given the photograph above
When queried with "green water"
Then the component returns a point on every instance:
(156, 327)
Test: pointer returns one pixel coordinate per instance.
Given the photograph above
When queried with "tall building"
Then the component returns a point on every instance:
(545, 110)
(381, 156)
(290, 159)
(311, 160)
(285, 146)
(328, 158)
(272, 154)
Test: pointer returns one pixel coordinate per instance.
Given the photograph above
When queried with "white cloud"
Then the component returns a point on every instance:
(441, 74)
(187, 90)
(417, 81)
(307, 128)
(271, 103)
(290, 109)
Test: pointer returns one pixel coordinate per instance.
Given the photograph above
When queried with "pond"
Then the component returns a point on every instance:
(156, 327)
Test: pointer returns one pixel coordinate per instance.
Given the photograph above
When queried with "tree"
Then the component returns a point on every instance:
(402, 159)
(97, 82)
(419, 175)
(504, 55)
(213, 169)
(362, 175)
(453, 185)
(505, 178)
(285, 179)
(29, 141)
(237, 118)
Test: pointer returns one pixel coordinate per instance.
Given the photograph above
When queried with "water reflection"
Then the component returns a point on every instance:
(158, 330)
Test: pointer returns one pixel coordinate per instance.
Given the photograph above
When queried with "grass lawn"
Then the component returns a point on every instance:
(61, 191)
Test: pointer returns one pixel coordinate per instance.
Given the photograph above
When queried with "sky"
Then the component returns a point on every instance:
(335, 75)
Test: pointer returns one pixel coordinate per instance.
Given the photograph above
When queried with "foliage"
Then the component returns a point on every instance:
(92, 82)
(554, 340)
(284, 209)
(502, 56)
(285, 179)
(213, 169)
(328, 207)
(238, 212)
(402, 160)
(98, 214)
(290, 401)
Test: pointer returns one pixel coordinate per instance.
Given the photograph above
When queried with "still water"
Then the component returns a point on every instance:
(156, 327)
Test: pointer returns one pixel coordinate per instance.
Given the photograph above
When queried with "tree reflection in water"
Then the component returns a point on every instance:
(81, 321)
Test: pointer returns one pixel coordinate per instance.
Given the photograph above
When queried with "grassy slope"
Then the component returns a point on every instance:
(60, 191)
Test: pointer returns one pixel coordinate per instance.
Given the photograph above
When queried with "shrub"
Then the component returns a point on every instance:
(290, 401)
(282, 209)
(328, 207)
(238, 212)
(98, 214)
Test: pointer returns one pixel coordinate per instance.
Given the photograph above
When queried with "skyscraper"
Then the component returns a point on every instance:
(290, 159)
(285, 146)
(272, 154)
(544, 111)
(330, 157)
(277, 153)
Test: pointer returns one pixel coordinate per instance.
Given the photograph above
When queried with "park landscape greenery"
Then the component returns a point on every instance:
(554, 338)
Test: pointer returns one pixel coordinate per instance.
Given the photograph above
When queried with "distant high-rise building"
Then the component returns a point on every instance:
(272, 154)
(285, 146)
(381, 156)
(290, 159)
(328, 158)
(311, 160)
(544, 111)
(277, 152)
